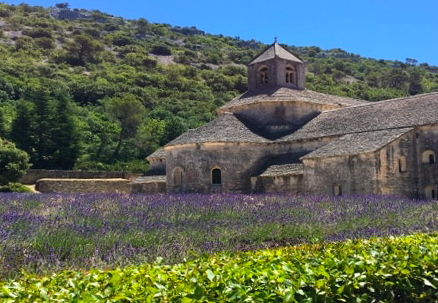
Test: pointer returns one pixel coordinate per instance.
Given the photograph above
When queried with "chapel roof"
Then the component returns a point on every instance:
(394, 113)
(275, 50)
(159, 153)
(358, 143)
(282, 170)
(278, 94)
(225, 128)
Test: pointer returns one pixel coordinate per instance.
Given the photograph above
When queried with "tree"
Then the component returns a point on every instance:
(415, 86)
(13, 162)
(128, 112)
(64, 5)
(83, 49)
(65, 136)
(22, 127)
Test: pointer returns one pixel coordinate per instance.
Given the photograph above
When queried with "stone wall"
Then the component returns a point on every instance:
(48, 185)
(278, 184)
(238, 163)
(377, 172)
(277, 113)
(276, 74)
(426, 141)
(355, 174)
(33, 175)
(197, 161)
(393, 177)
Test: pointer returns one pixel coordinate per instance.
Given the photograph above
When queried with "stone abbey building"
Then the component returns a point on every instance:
(281, 137)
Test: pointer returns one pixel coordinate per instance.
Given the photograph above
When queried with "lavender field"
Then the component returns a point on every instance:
(46, 233)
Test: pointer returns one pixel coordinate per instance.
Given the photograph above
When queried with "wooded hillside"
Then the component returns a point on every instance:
(87, 90)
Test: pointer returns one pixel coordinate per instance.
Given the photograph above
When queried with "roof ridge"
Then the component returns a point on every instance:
(370, 103)
(374, 103)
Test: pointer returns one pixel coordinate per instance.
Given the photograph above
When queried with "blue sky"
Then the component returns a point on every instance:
(381, 29)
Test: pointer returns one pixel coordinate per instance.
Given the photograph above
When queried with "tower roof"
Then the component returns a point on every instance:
(275, 50)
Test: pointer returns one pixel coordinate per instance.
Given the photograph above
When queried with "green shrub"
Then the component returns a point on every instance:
(13, 162)
(161, 50)
(378, 270)
(15, 188)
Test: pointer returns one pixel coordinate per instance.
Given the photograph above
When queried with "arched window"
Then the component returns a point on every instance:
(290, 75)
(177, 176)
(216, 176)
(337, 190)
(263, 75)
(428, 157)
(402, 164)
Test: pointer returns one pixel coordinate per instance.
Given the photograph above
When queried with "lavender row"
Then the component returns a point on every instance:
(43, 233)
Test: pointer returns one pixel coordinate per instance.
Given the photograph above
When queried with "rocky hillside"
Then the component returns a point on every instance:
(89, 90)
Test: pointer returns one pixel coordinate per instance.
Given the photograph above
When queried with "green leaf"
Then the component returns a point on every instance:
(427, 283)
(319, 283)
(210, 275)
(199, 292)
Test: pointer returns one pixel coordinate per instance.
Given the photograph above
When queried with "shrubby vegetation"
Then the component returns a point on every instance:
(13, 164)
(60, 80)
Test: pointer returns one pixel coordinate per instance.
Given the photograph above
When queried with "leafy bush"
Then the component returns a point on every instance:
(401, 269)
(161, 50)
(13, 162)
(14, 188)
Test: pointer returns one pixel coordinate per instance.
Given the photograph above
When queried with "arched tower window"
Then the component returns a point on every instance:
(263, 75)
(216, 176)
(402, 164)
(290, 75)
(428, 157)
(177, 176)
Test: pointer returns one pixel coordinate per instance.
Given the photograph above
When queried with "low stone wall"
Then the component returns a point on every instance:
(47, 185)
(33, 175)
(148, 188)
(149, 185)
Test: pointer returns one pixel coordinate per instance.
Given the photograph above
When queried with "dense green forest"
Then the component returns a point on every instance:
(87, 90)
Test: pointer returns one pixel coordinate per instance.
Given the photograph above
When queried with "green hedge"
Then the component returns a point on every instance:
(403, 269)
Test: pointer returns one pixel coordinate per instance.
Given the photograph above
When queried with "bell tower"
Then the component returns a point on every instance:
(276, 66)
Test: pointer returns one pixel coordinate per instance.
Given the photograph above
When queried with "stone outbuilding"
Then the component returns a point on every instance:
(281, 137)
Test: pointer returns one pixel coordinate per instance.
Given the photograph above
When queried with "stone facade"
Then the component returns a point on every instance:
(281, 137)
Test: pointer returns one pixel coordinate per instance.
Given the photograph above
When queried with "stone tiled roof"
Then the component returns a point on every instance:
(148, 179)
(275, 51)
(394, 113)
(225, 128)
(281, 170)
(357, 143)
(159, 153)
(275, 94)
